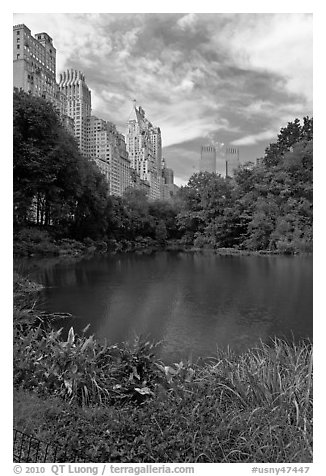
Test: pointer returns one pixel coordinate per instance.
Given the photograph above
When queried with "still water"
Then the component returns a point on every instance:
(194, 302)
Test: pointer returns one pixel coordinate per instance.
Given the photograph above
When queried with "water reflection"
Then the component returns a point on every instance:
(194, 301)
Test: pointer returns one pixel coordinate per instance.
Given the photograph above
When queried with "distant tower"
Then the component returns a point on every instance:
(232, 160)
(207, 159)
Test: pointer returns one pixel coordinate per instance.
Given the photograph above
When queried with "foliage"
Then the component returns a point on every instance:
(256, 407)
(54, 186)
(265, 207)
(209, 211)
(80, 369)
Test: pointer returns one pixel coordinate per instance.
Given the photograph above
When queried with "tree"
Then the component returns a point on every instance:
(137, 206)
(207, 200)
(290, 135)
(160, 232)
(54, 186)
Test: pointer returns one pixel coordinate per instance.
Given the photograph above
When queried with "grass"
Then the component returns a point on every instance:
(122, 404)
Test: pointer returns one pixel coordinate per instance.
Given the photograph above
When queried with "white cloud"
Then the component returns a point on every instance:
(255, 138)
(187, 21)
(184, 130)
(279, 43)
(186, 85)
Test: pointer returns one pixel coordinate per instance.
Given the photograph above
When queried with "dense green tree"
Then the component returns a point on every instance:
(137, 206)
(293, 133)
(207, 214)
(277, 198)
(53, 184)
(165, 212)
(161, 232)
(90, 218)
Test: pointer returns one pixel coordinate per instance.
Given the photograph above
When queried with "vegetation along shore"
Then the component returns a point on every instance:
(120, 403)
(62, 206)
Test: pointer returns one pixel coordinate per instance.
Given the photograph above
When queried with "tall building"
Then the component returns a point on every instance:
(72, 83)
(144, 149)
(212, 157)
(207, 159)
(232, 160)
(138, 183)
(107, 147)
(120, 163)
(34, 62)
(168, 189)
(34, 66)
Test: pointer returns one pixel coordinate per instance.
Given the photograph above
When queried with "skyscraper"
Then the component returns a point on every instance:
(144, 149)
(107, 147)
(232, 160)
(168, 189)
(207, 159)
(34, 66)
(72, 83)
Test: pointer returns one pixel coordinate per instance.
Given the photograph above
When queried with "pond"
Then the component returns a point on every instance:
(193, 301)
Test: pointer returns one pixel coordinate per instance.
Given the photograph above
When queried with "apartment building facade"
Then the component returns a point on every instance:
(34, 66)
(73, 85)
(107, 147)
(144, 149)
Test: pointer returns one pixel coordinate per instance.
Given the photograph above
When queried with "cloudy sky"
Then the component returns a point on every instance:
(204, 78)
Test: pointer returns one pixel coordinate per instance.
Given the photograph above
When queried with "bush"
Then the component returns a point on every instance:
(33, 235)
(285, 247)
(34, 240)
(101, 246)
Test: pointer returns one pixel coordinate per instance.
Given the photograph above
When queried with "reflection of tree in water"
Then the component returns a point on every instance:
(194, 301)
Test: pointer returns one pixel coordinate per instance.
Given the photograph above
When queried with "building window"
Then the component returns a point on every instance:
(18, 47)
(18, 56)
(18, 32)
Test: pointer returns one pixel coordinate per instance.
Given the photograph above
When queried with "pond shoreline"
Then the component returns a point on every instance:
(55, 398)
(73, 248)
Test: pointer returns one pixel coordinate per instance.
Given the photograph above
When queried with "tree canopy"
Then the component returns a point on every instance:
(264, 207)
(53, 184)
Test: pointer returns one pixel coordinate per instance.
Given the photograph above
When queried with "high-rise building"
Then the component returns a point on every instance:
(138, 183)
(120, 163)
(168, 189)
(211, 157)
(34, 62)
(72, 83)
(107, 147)
(207, 159)
(34, 66)
(232, 160)
(168, 176)
(144, 149)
